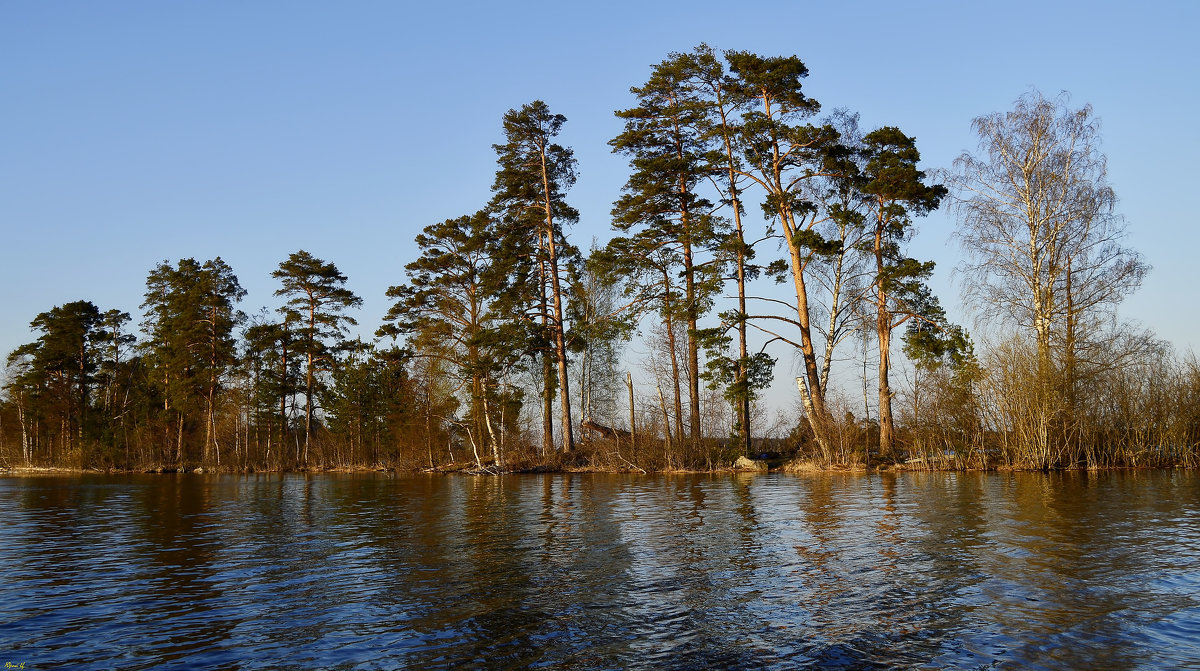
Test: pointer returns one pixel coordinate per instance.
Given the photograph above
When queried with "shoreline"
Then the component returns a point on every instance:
(793, 468)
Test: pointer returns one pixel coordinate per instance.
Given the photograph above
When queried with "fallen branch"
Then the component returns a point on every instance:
(631, 464)
(606, 431)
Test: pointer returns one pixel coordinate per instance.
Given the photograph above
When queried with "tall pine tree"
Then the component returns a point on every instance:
(190, 317)
(533, 176)
(664, 137)
(317, 298)
(895, 191)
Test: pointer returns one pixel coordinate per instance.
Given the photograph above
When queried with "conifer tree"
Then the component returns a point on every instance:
(448, 310)
(317, 298)
(270, 362)
(60, 367)
(115, 343)
(664, 137)
(895, 191)
(533, 176)
(780, 153)
(190, 317)
(750, 372)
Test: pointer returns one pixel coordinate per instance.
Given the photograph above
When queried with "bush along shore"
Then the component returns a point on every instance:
(645, 454)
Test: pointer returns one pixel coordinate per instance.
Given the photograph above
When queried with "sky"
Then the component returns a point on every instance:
(133, 133)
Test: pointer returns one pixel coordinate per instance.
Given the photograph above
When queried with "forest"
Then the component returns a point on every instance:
(754, 221)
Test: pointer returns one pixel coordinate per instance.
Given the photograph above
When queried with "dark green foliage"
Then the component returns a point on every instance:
(534, 172)
(931, 346)
(56, 375)
(778, 78)
(451, 312)
(271, 369)
(190, 319)
(722, 372)
(675, 232)
(532, 177)
(894, 191)
(370, 406)
(448, 282)
(317, 299)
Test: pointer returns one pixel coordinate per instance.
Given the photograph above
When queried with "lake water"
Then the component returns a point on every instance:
(1081, 571)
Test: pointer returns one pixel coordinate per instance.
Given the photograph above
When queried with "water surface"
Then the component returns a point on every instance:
(601, 571)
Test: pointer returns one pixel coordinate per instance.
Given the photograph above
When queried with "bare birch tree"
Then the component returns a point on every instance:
(1042, 241)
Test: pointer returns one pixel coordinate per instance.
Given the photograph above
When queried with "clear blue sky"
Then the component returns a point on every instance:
(136, 132)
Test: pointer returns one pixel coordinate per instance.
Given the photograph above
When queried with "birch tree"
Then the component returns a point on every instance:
(1042, 242)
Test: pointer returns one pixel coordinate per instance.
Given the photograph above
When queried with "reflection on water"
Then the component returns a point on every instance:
(602, 571)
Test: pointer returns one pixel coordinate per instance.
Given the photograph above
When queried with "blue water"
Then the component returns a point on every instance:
(601, 571)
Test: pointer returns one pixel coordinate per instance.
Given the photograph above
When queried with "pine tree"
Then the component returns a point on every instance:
(60, 370)
(674, 225)
(532, 179)
(894, 190)
(780, 153)
(270, 363)
(190, 317)
(750, 372)
(317, 298)
(448, 311)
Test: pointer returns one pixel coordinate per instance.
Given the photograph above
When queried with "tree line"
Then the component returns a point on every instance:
(503, 344)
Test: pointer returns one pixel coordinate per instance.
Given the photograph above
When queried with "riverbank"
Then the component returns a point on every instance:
(748, 466)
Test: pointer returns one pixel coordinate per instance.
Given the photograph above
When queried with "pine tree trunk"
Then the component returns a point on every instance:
(547, 404)
(812, 394)
(693, 352)
(743, 386)
(560, 340)
(675, 375)
(743, 374)
(883, 334)
(887, 432)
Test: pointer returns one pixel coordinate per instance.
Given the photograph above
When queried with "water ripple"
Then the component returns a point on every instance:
(596, 571)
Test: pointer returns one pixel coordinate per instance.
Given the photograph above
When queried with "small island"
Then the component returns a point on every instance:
(754, 225)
